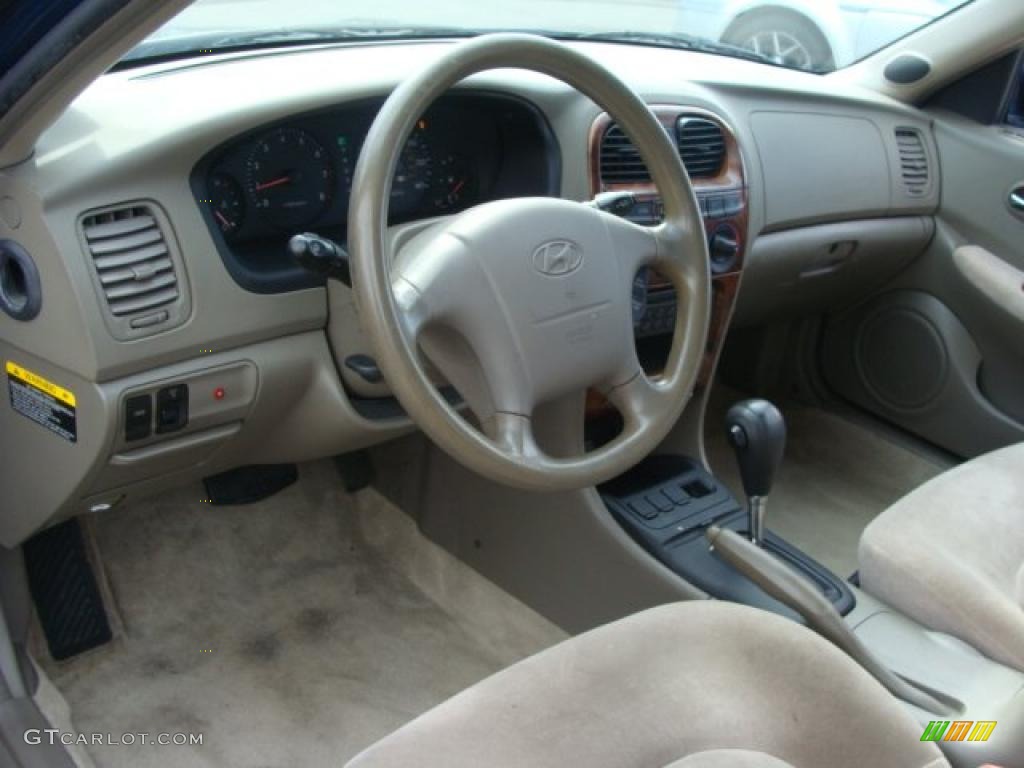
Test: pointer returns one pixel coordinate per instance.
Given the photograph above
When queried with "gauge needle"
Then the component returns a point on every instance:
(273, 183)
(458, 187)
(223, 219)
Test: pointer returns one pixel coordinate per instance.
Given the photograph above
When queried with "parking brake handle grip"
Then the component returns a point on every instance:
(796, 592)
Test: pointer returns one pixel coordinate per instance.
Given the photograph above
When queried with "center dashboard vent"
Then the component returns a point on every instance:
(620, 161)
(136, 268)
(913, 162)
(701, 145)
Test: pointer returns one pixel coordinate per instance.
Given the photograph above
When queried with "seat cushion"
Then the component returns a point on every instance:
(951, 554)
(1020, 585)
(660, 686)
(729, 758)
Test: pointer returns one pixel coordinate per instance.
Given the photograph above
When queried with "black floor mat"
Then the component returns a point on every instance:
(247, 485)
(65, 592)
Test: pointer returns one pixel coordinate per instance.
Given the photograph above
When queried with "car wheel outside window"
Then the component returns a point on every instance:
(788, 38)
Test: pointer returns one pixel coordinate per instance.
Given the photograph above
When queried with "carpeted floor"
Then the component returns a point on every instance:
(835, 478)
(290, 633)
(297, 631)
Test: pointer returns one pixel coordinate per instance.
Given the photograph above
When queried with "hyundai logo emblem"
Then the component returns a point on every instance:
(556, 258)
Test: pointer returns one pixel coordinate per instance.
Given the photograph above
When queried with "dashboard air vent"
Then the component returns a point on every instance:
(913, 162)
(620, 161)
(132, 260)
(701, 146)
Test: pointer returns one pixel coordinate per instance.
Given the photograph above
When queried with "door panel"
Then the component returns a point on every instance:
(940, 351)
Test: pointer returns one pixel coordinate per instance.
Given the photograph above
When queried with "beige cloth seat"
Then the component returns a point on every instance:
(951, 554)
(729, 758)
(673, 686)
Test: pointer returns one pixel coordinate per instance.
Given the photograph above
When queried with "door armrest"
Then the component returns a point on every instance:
(996, 279)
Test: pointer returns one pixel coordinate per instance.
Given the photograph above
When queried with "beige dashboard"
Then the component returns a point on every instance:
(829, 214)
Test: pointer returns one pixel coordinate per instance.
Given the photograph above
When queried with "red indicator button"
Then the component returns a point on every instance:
(218, 393)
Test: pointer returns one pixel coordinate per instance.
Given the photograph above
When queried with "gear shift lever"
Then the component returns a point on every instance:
(757, 432)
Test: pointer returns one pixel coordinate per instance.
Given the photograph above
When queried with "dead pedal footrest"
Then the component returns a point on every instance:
(65, 591)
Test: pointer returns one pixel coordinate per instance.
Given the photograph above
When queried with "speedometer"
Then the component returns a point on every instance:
(290, 181)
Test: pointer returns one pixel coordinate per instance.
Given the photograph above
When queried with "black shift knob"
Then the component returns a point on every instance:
(757, 432)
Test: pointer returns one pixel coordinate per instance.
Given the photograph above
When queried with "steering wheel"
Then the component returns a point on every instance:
(519, 302)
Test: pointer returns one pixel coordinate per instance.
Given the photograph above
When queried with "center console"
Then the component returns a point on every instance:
(676, 510)
(667, 503)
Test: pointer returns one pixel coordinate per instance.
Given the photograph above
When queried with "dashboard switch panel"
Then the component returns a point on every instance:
(171, 408)
(186, 402)
(138, 418)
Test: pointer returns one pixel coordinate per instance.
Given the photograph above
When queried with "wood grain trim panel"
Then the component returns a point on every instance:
(724, 290)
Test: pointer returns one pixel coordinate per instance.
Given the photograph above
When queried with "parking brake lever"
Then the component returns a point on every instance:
(794, 591)
(321, 256)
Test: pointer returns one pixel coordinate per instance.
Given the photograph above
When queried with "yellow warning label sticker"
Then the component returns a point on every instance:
(26, 376)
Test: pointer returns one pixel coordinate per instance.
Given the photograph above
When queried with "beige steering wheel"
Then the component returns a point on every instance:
(519, 302)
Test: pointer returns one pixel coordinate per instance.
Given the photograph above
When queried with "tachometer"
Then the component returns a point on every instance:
(290, 181)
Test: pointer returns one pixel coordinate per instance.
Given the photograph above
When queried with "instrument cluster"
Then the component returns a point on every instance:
(290, 179)
(261, 188)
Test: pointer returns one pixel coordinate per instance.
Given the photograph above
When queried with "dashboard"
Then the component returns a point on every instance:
(228, 354)
(262, 187)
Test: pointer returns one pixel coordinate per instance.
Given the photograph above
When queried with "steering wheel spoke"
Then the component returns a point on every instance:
(635, 246)
(449, 308)
(512, 433)
(415, 312)
(640, 401)
(427, 273)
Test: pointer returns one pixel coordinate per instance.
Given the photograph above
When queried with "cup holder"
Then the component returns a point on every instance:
(21, 294)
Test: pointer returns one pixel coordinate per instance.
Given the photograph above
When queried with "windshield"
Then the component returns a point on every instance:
(812, 35)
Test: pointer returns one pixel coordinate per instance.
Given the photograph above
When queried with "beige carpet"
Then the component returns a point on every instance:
(835, 478)
(290, 633)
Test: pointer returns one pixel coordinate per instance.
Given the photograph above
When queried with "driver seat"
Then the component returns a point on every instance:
(686, 685)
